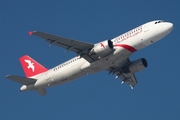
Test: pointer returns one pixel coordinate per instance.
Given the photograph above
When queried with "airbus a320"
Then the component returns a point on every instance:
(110, 55)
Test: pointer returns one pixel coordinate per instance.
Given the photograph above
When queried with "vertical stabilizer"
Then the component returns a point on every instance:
(31, 67)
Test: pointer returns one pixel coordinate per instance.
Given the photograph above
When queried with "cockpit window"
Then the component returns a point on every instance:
(158, 21)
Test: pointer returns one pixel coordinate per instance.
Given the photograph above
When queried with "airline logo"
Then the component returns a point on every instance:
(30, 65)
(102, 45)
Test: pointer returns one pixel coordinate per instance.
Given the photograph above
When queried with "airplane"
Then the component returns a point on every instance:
(111, 55)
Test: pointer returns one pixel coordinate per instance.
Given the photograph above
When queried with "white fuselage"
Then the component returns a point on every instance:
(124, 46)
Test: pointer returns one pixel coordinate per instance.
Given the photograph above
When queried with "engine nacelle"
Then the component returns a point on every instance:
(102, 49)
(136, 66)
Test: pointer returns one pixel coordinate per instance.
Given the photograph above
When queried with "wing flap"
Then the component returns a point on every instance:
(130, 78)
(21, 80)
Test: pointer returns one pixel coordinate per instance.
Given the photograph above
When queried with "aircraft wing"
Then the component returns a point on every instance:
(81, 48)
(21, 80)
(130, 78)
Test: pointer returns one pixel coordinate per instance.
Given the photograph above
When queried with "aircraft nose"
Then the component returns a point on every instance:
(169, 26)
(166, 27)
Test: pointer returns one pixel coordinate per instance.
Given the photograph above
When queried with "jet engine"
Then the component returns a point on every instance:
(102, 49)
(136, 66)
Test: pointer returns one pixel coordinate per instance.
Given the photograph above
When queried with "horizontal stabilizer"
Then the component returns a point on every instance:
(21, 80)
(41, 91)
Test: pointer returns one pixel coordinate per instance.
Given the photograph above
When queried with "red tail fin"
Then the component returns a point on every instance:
(31, 67)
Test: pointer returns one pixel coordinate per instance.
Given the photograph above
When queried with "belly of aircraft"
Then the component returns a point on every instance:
(74, 72)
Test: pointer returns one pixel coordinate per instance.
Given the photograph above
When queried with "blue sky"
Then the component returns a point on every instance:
(97, 96)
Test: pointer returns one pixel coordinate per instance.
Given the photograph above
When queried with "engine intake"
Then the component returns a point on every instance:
(136, 66)
(102, 49)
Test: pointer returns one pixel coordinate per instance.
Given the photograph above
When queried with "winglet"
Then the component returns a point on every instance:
(30, 33)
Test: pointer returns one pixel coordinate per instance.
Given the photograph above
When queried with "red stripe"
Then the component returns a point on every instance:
(131, 49)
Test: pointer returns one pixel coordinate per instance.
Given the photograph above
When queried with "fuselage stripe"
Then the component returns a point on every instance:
(131, 49)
